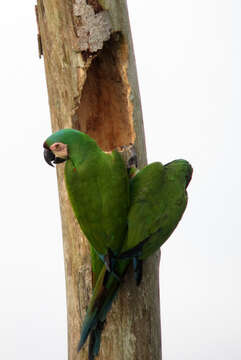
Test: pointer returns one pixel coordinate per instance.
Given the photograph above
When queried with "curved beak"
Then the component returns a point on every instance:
(58, 160)
(49, 156)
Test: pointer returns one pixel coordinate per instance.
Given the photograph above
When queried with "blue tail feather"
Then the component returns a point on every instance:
(105, 291)
(95, 339)
(89, 323)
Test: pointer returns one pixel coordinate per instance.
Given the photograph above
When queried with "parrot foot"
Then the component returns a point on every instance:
(109, 260)
(135, 252)
(137, 265)
(129, 155)
(132, 163)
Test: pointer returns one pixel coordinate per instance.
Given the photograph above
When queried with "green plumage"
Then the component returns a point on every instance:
(104, 293)
(158, 200)
(98, 189)
(96, 265)
(131, 225)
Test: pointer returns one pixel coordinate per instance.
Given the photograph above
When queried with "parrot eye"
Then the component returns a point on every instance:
(57, 147)
(60, 150)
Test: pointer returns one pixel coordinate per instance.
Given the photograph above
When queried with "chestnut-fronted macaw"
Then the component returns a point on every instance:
(98, 189)
(158, 199)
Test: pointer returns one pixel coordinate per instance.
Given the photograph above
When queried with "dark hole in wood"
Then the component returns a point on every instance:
(104, 111)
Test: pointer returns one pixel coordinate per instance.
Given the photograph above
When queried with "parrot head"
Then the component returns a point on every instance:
(182, 169)
(64, 144)
(55, 153)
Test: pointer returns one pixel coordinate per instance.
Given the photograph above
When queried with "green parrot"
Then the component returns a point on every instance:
(158, 199)
(98, 189)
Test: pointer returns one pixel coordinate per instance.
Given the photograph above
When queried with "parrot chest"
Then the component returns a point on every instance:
(96, 204)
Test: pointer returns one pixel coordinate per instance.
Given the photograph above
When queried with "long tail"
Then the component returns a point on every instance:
(104, 293)
(95, 340)
(95, 334)
(96, 302)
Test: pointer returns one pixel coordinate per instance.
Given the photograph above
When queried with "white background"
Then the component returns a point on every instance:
(189, 59)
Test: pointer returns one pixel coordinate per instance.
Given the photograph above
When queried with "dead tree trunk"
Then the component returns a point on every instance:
(92, 86)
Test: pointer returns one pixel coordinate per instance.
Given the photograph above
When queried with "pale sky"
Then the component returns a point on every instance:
(188, 57)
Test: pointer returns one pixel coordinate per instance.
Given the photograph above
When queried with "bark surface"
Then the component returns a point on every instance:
(92, 86)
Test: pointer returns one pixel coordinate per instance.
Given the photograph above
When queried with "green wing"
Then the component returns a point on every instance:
(96, 265)
(158, 200)
(98, 189)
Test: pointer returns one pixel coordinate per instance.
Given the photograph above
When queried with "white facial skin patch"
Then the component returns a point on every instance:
(60, 150)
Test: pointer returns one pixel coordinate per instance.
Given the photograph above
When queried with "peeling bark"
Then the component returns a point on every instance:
(94, 27)
(92, 86)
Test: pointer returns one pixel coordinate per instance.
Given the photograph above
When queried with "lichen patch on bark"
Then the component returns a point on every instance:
(94, 28)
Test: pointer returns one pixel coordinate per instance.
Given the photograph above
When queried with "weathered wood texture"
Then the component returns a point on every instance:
(92, 86)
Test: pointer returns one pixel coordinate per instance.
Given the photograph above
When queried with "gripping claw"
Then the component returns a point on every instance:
(109, 260)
